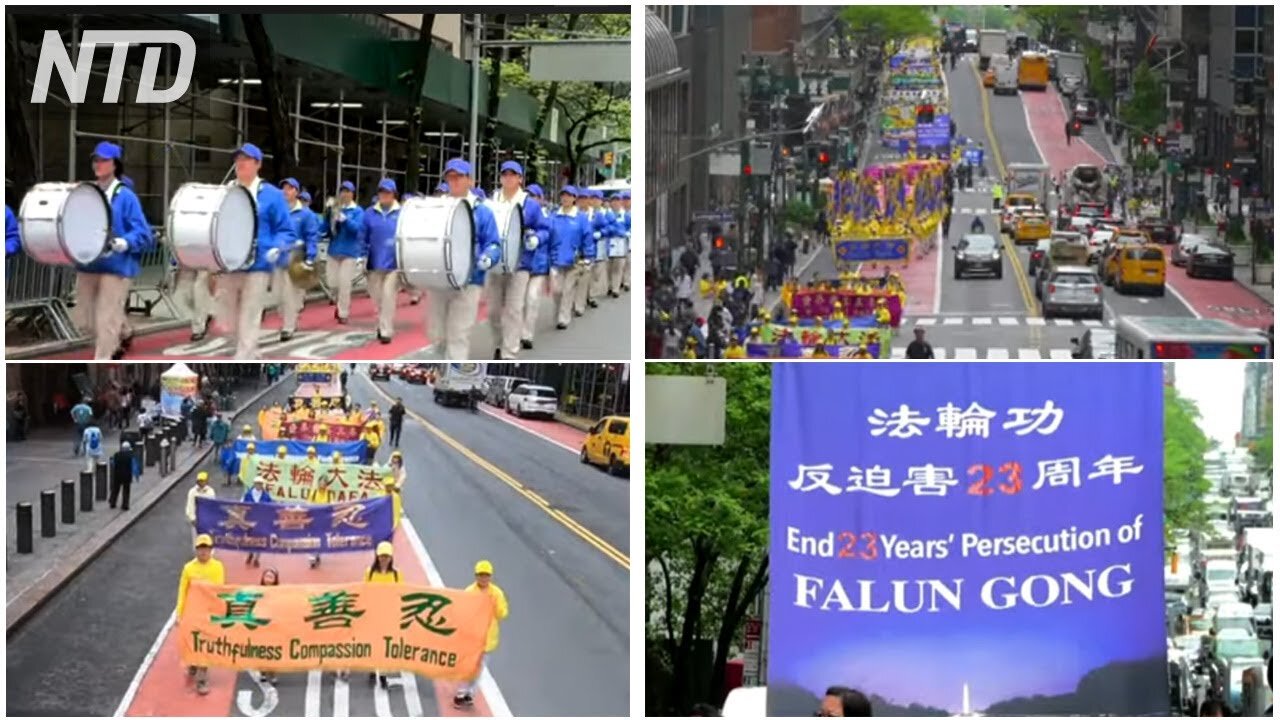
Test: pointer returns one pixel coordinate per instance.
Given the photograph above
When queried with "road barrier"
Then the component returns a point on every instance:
(26, 543)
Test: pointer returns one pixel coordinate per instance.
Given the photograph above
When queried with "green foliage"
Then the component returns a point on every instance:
(800, 214)
(1235, 230)
(1146, 109)
(1052, 22)
(706, 511)
(888, 22)
(1144, 162)
(1100, 82)
(1184, 447)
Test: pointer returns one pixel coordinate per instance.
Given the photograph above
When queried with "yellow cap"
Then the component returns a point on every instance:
(251, 446)
(337, 455)
(282, 451)
(396, 453)
(204, 541)
(248, 428)
(385, 548)
(202, 475)
(311, 449)
(484, 567)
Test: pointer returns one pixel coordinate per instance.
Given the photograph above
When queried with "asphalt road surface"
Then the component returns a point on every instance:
(555, 530)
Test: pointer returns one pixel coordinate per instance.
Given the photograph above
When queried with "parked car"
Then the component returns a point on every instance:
(1187, 243)
(1211, 260)
(1038, 255)
(1095, 344)
(1160, 231)
(529, 399)
(977, 254)
(1086, 111)
(1072, 290)
(608, 443)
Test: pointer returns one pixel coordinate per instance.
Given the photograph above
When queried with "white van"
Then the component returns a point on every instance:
(1006, 79)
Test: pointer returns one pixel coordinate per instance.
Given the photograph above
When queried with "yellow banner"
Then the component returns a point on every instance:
(293, 480)
(439, 633)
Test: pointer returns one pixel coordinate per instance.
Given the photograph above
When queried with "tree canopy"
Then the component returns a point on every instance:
(1146, 108)
(1184, 447)
(706, 539)
(888, 22)
(1054, 21)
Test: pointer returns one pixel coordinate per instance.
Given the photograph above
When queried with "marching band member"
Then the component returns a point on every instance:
(626, 267)
(535, 264)
(380, 222)
(102, 287)
(346, 246)
(452, 313)
(603, 220)
(505, 292)
(12, 243)
(582, 289)
(570, 236)
(193, 290)
(619, 240)
(306, 226)
(241, 293)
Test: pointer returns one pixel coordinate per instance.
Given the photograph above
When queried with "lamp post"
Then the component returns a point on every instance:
(745, 90)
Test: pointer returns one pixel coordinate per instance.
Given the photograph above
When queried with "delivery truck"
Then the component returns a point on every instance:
(990, 44)
(459, 384)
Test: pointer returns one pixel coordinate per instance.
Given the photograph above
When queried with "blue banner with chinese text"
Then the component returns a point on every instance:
(230, 457)
(872, 249)
(296, 528)
(968, 538)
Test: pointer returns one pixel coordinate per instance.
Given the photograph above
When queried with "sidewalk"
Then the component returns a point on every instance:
(41, 463)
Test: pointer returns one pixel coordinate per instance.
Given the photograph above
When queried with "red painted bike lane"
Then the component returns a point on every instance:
(1219, 299)
(566, 436)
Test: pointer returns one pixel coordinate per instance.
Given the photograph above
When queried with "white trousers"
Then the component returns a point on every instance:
(617, 266)
(599, 278)
(240, 296)
(384, 287)
(564, 283)
(451, 314)
(340, 275)
(498, 292)
(193, 294)
(99, 311)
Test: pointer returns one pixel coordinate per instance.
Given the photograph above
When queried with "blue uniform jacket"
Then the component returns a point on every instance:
(11, 242)
(569, 236)
(380, 236)
(487, 242)
(538, 260)
(349, 240)
(275, 229)
(306, 227)
(602, 225)
(619, 238)
(248, 496)
(128, 222)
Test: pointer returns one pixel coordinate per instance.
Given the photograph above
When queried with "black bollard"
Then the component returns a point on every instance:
(100, 480)
(153, 450)
(68, 502)
(26, 539)
(48, 513)
(86, 491)
(166, 453)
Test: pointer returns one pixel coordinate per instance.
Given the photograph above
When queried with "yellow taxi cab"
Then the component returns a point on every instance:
(989, 77)
(1031, 227)
(1015, 204)
(1134, 266)
(608, 443)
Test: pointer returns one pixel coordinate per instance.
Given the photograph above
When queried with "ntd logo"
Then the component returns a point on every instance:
(76, 77)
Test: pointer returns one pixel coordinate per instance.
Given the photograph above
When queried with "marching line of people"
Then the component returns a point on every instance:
(580, 246)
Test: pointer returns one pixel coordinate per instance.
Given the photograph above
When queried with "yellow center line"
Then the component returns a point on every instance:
(1010, 248)
(567, 522)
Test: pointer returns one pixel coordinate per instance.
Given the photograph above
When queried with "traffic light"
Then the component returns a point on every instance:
(608, 158)
(719, 242)
(746, 169)
(1146, 141)
(824, 159)
(1160, 144)
(1226, 166)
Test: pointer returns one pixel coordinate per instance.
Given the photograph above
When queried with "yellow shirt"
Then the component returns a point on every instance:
(371, 438)
(396, 508)
(320, 496)
(210, 572)
(500, 611)
(378, 576)
(735, 353)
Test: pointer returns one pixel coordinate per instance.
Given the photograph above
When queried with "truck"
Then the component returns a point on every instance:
(1070, 72)
(1085, 184)
(1006, 76)
(1033, 71)
(459, 384)
(1029, 178)
(991, 43)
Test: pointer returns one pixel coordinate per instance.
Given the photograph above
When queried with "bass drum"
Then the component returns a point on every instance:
(435, 243)
(65, 223)
(213, 227)
(510, 220)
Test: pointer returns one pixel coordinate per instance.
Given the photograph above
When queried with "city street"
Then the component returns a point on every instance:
(478, 487)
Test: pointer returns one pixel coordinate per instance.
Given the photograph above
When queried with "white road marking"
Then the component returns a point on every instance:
(898, 353)
(1035, 321)
(312, 706)
(1092, 323)
(1008, 320)
(1060, 354)
(144, 666)
(953, 321)
(998, 353)
(939, 353)
(937, 271)
(982, 321)
(1028, 354)
(966, 353)
(270, 698)
(488, 686)
(382, 698)
(501, 415)
(1063, 321)
(927, 321)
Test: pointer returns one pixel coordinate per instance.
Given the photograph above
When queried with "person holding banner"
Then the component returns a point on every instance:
(484, 584)
(371, 441)
(270, 577)
(201, 489)
(321, 496)
(396, 463)
(390, 489)
(258, 494)
(204, 568)
(383, 570)
(250, 451)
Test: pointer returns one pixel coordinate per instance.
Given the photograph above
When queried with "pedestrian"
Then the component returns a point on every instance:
(464, 696)
(18, 418)
(919, 349)
(200, 423)
(207, 569)
(1068, 130)
(321, 495)
(219, 433)
(82, 416)
(122, 474)
(200, 489)
(383, 570)
(840, 701)
(257, 494)
(397, 421)
(946, 224)
(371, 441)
(92, 446)
(342, 376)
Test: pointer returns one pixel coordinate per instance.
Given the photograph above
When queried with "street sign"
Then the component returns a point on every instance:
(753, 648)
(726, 163)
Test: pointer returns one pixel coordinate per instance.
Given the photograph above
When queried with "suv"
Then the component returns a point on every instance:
(1086, 111)
(977, 253)
(1072, 290)
(532, 400)
(1186, 245)
(1211, 260)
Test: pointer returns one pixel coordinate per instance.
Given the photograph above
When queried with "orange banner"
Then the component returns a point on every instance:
(272, 421)
(438, 633)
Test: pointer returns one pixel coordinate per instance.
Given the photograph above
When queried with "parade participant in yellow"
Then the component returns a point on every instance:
(735, 351)
(282, 453)
(313, 458)
(839, 311)
(722, 286)
(753, 336)
(690, 349)
(203, 568)
(383, 570)
(250, 454)
(820, 351)
(396, 465)
(389, 489)
(321, 495)
(882, 314)
(788, 293)
(704, 286)
(322, 433)
(246, 433)
(484, 584)
(862, 353)
(371, 442)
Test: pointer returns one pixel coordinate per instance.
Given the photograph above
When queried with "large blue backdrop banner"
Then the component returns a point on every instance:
(968, 538)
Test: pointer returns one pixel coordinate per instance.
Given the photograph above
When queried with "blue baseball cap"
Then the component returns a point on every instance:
(625, 194)
(535, 190)
(388, 185)
(459, 166)
(305, 197)
(511, 166)
(290, 181)
(615, 196)
(569, 190)
(442, 187)
(107, 151)
(249, 150)
(479, 193)
(347, 185)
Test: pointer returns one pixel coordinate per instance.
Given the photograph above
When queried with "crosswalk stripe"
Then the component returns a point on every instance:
(1028, 354)
(927, 321)
(998, 354)
(966, 353)
(1091, 323)
(982, 321)
(953, 321)
(1008, 321)
(1036, 321)
(898, 353)
(1060, 354)
(1063, 321)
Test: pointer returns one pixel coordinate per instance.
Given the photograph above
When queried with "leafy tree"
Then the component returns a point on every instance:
(1184, 447)
(882, 23)
(1053, 21)
(583, 106)
(800, 214)
(1095, 68)
(1146, 109)
(706, 539)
